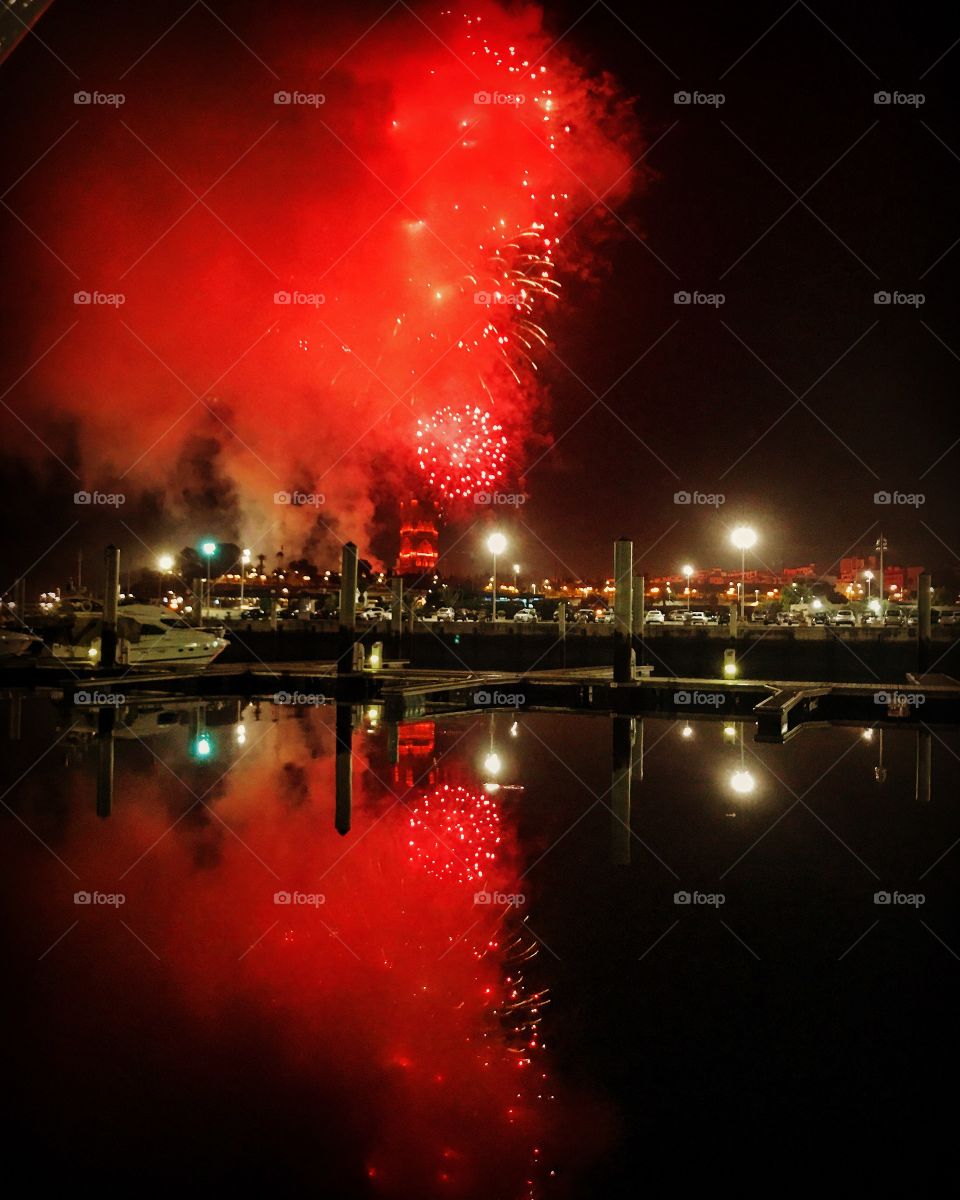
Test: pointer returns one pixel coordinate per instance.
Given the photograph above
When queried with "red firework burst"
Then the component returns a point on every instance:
(461, 452)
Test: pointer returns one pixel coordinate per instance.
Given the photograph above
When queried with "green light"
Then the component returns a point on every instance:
(203, 746)
(209, 549)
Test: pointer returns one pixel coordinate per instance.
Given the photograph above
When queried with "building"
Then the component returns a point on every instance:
(419, 539)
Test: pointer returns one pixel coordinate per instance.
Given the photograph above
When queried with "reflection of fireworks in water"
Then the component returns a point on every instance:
(454, 833)
(460, 451)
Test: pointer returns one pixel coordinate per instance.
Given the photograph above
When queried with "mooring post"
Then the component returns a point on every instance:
(106, 719)
(924, 765)
(344, 768)
(111, 600)
(348, 608)
(924, 608)
(396, 613)
(624, 659)
(639, 612)
(623, 729)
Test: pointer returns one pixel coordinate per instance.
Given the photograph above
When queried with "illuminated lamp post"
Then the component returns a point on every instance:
(743, 537)
(688, 575)
(496, 544)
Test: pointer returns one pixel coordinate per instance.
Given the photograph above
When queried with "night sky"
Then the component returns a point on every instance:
(796, 200)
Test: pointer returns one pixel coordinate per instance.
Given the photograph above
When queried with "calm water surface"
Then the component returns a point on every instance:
(505, 979)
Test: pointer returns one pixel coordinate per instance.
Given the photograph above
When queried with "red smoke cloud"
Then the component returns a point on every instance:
(413, 201)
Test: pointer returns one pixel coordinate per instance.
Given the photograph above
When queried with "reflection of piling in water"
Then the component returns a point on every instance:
(393, 743)
(344, 768)
(924, 599)
(623, 735)
(924, 764)
(348, 609)
(15, 718)
(111, 601)
(106, 719)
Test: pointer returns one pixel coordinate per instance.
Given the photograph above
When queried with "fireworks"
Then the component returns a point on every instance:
(461, 452)
(454, 833)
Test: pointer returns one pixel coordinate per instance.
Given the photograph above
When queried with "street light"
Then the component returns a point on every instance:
(868, 576)
(496, 544)
(245, 557)
(164, 564)
(743, 537)
(516, 578)
(687, 572)
(208, 549)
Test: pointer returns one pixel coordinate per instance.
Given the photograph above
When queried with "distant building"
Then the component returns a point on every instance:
(419, 539)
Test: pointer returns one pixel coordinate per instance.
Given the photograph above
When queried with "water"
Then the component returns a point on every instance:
(477, 991)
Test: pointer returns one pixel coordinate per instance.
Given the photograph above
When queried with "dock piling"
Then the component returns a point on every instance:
(624, 658)
(111, 600)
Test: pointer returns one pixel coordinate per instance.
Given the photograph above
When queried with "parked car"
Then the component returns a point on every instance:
(695, 618)
(584, 616)
(654, 617)
(446, 614)
(605, 617)
(845, 616)
(894, 617)
(526, 616)
(758, 616)
(787, 618)
(372, 615)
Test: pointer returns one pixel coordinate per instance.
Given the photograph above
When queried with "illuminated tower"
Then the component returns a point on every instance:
(418, 539)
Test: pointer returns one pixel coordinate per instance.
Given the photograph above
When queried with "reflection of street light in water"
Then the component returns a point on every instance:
(687, 731)
(492, 763)
(742, 781)
(879, 771)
